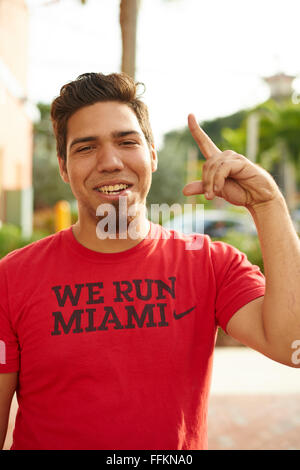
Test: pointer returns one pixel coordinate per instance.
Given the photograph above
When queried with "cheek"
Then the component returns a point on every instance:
(80, 171)
(76, 182)
(143, 169)
(145, 177)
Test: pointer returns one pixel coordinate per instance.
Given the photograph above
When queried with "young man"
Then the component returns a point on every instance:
(109, 341)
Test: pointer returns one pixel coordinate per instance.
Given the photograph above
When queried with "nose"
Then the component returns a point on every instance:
(108, 159)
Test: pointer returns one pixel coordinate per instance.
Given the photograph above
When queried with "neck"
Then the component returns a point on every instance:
(87, 235)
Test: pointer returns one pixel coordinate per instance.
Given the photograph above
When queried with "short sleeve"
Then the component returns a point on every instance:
(9, 346)
(238, 282)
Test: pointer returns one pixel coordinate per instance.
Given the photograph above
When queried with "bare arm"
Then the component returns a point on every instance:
(270, 324)
(8, 384)
(279, 318)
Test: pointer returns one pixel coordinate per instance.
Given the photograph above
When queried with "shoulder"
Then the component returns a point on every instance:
(198, 242)
(200, 248)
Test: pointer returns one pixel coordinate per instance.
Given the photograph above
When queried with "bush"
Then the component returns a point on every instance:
(248, 244)
(11, 238)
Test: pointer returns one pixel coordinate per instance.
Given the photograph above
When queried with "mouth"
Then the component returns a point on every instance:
(113, 189)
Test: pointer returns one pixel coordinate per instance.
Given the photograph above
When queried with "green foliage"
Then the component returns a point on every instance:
(214, 128)
(279, 137)
(11, 238)
(237, 139)
(47, 184)
(169, 179)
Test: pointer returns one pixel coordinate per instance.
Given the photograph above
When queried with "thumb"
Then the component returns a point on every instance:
(195, 187)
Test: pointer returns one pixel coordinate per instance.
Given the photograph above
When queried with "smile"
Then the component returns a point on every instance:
(112, 189)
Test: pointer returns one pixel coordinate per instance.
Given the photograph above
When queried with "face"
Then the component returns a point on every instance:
(107, 157)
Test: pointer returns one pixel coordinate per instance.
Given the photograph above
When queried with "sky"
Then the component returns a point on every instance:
(202, 57)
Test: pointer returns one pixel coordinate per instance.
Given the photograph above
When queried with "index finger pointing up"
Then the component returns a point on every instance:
(206, 145)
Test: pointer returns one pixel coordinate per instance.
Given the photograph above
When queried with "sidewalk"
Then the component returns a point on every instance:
(254, 403)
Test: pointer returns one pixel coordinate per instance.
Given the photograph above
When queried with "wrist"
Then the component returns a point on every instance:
(277, 202)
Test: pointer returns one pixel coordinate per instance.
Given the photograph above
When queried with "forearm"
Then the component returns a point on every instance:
(4, 418)
(8, 383)
(280, 247)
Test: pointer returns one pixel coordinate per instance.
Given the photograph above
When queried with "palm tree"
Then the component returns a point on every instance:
(128, 23)
(277, 141)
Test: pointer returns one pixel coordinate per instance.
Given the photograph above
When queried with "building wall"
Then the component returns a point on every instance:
(15, 125)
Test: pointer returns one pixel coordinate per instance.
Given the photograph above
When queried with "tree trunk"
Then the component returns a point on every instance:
(128, 23)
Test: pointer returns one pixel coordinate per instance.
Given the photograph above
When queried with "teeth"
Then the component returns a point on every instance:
(110, 188)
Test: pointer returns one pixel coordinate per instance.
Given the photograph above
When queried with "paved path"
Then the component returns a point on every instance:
(254, 403)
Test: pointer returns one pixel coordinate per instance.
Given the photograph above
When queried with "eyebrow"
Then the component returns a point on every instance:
(93, 138)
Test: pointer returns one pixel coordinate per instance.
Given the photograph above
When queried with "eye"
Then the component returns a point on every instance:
(87, 148)
(129, 142)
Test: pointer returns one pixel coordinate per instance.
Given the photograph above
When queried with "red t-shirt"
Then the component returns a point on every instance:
(114, 351)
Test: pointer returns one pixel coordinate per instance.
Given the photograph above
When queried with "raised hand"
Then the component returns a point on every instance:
(229, 175)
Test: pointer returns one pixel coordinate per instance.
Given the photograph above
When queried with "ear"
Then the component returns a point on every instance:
(153, 155)
(63, 169)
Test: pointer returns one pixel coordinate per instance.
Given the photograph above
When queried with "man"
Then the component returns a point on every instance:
(109, 339)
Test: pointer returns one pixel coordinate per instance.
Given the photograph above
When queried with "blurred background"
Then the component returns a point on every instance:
(236, 66)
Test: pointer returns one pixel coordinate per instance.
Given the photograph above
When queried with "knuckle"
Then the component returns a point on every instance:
(212, 165)
(242, 157)
(219, 170)
(228, 153)
(205, 167)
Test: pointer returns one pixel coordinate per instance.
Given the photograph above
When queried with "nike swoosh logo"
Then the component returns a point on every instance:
(177, 316)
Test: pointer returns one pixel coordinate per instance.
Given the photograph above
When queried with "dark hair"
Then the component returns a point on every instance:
(91, 88)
